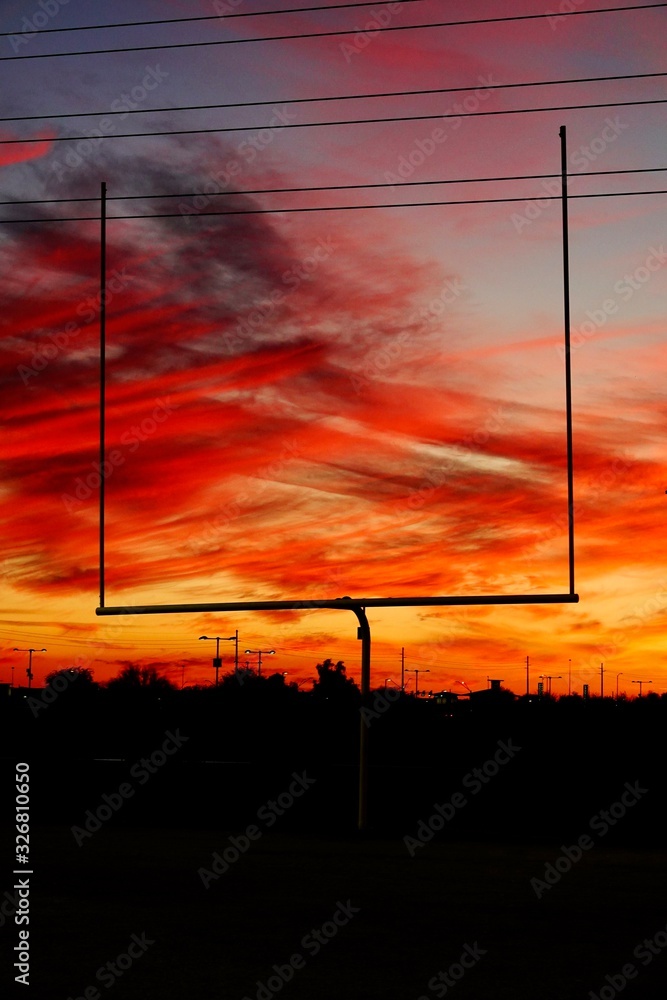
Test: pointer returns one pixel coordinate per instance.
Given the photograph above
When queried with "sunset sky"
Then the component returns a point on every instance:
(368, 402)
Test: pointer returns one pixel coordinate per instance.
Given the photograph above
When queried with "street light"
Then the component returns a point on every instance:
(417, 672)
(640, 685)
(260, 652)
(29, 670)
(217, 662)
(620, 674)
(550, 678)
(464, 685)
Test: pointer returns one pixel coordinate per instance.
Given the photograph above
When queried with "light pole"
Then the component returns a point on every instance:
(550, 678)
(259, 652)
(29, 670)
(617, 676)
(417, 672)
(640, 685)
(217, 662)
(463, 683)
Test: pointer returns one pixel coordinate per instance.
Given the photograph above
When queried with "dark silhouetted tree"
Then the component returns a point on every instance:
(333, 685)
(145, 680)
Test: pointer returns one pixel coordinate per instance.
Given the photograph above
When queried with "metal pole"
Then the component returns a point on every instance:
(364, 633)
(527, 676)
(402, 668)
(103, 323)
(568, 366)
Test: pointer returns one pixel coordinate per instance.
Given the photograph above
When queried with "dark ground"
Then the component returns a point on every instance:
(470, 885)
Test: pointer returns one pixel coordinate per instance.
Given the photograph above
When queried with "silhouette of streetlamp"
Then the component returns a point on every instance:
(550, 678)
(417, 671)
(640, 685)
(29, 670)
(260, 652)
(217, 662)
(463, 683)
(620, 674)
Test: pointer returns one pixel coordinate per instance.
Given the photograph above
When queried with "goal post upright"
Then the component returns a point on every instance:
(357, 605)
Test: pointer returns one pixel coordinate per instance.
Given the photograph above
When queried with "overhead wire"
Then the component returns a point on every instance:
(329, 187)
(338, 97)
(207, 17)
(328, 124)
(327, 34)
(330, 208)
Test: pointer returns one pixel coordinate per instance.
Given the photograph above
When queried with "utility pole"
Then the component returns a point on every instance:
(402, 668)
(527, 676)
(602, 680)
(569, 677)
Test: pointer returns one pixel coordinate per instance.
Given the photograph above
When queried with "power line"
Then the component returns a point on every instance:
(328, 34)
(344, 97)
(206, 17)
(328, 124)
(331, 208)
(330, 187)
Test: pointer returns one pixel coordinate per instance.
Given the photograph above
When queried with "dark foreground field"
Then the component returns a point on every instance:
(403, 919)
